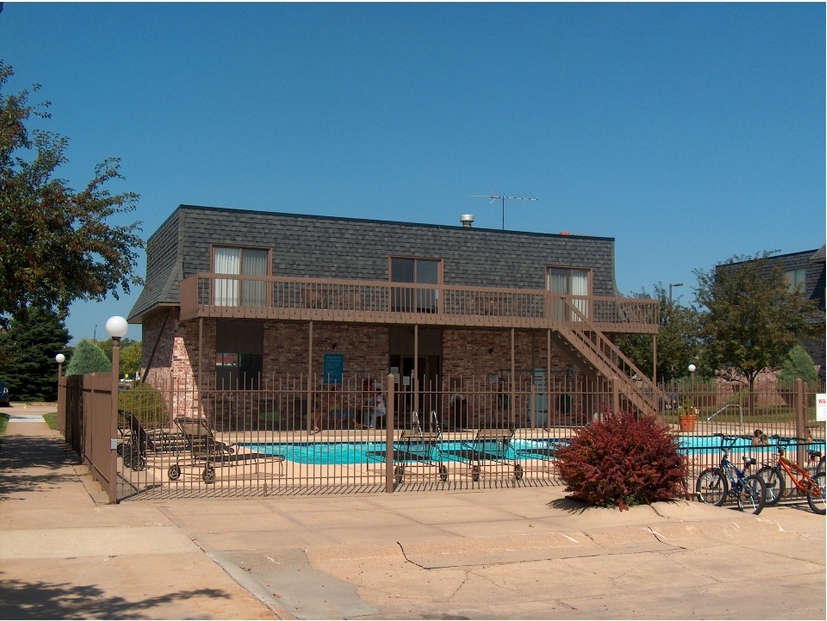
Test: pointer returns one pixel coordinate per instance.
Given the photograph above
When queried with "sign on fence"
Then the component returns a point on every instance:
(821, 407)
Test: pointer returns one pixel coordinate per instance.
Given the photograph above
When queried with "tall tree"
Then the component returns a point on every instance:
(56, 245)
(752, 316)
(678, 339)
(28, 352)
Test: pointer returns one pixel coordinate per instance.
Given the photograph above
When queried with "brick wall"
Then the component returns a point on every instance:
(476, 352)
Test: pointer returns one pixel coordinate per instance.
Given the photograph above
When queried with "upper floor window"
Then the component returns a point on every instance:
(416, 271)
(241, 262)
(796, 279)
(570, 281)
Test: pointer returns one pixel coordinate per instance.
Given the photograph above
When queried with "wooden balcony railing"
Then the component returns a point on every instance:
(359, 301)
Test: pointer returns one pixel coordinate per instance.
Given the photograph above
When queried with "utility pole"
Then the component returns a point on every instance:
(497, 197)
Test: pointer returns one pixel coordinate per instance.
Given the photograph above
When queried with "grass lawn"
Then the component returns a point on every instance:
(51, 419)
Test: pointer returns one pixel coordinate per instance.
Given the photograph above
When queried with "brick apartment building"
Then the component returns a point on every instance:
(236, 298)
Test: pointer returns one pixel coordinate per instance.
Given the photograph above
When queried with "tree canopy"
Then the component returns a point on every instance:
(752, 317)
(677, 345)
(56, 245)
(130, 355)
(27, 354)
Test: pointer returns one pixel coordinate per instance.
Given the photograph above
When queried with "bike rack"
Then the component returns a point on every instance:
(730, 405)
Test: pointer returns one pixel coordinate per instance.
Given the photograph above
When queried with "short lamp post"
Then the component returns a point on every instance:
(61, 417)
(116, 327)
(692, 369)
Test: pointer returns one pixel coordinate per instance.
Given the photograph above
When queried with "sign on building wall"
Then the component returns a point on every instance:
(334, 367)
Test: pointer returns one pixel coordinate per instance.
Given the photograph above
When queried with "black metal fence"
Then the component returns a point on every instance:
(300, 435)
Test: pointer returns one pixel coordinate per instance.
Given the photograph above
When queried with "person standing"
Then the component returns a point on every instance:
(379, 408)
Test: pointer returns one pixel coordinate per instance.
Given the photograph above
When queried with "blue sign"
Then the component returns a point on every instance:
(334, 367)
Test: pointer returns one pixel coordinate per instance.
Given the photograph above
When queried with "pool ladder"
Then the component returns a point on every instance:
(730, 405)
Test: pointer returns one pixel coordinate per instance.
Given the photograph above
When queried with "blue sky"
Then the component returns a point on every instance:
(687, 132)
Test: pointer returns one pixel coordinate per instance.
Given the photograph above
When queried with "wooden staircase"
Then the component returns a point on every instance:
(590, 346)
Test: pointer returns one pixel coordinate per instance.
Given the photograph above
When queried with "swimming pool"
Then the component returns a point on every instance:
(350, 453)
(712, 444)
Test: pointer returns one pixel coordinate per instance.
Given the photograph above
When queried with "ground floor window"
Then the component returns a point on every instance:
(239, 355)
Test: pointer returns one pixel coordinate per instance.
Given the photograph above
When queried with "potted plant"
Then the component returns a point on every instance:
(687, 416)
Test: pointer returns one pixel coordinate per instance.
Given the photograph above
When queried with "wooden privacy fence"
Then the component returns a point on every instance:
(85, 417)
(299, 435)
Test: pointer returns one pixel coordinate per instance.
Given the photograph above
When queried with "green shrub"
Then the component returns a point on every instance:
(88, 358)
(146, 403)
(622, 461)
(798, 365)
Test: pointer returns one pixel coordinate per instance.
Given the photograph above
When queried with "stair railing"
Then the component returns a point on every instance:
(607, 353)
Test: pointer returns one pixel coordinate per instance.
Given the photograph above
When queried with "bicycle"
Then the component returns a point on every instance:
(813, 486)
(714, 485)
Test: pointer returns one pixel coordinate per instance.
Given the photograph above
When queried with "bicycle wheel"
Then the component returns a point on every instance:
(774, 481)
(816, 498)
(753, 496)
(712, 487)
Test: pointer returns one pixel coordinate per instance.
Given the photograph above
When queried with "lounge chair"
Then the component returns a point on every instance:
(206, 450)
(489, 448)
(415, 449)
(135, 442)
(418, 447)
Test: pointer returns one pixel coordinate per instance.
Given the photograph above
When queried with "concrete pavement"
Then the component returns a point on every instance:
(502, 553)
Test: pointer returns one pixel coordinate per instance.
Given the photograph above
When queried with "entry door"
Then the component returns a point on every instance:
(428, 365)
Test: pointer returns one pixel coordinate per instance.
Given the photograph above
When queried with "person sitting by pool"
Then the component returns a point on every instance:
(759, 438)
(316, 411)
(378, 408)
(338, 410)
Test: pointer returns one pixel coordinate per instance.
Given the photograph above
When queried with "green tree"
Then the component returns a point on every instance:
(130, 359)
(88, 358)
(28, 349)
(677, 340)
(56, 245)
(751, 318)
(798, 365)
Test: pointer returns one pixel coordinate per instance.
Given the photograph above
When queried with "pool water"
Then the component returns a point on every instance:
(350, 453)
(712, 444)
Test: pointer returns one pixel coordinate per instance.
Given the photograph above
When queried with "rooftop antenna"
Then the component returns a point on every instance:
(496, 197)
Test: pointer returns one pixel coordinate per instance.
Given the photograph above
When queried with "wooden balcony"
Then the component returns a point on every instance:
(382, 302)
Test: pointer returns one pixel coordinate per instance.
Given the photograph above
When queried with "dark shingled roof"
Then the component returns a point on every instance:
(314, 246)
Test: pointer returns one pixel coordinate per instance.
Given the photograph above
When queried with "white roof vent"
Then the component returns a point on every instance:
(467, 219)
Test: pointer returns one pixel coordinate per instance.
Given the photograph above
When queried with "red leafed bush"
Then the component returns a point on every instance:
(622, 461)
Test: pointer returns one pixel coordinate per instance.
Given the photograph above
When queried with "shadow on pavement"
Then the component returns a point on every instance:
(37, 453)
(45, 600)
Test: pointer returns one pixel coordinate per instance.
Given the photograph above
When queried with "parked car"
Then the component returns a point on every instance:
(4, 393)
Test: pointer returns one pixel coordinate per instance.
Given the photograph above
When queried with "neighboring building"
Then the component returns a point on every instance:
(806, 270)
(238, 298)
